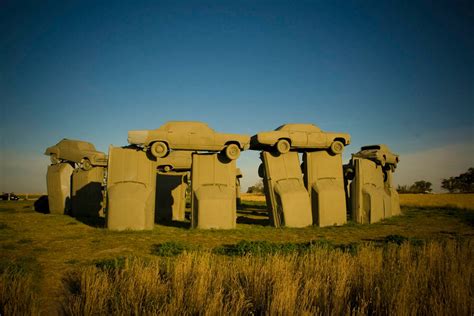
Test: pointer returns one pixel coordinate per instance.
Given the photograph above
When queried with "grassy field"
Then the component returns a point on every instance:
(420, 262)
(465, 201)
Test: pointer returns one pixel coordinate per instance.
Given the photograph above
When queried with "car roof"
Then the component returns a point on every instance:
(184, 126)
(299, 127)
(76, 144)
(376, 147)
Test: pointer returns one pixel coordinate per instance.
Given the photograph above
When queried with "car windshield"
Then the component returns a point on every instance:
(372, 147)
(85, 146)
(186, 127)
(298, 128)
(76, 144)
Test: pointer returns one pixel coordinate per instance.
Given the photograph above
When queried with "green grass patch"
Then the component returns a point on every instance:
(111, 263)
(263, 247)
(169, 249)
(25, 266)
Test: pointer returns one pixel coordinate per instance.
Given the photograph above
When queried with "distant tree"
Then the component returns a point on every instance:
(449, 184)
(464, 183)
(417, 187)
(256, 188)
(421, 187)
(403, 189)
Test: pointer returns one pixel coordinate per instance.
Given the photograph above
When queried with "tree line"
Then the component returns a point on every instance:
(464, 183)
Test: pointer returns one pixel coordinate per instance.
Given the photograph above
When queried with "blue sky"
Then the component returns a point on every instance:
(395, 72)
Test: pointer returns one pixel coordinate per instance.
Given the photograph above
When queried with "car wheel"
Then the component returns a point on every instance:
(159, 149)
(54, 159)
(86, 164)
(283, 146)
(232, 151)
(337, 147)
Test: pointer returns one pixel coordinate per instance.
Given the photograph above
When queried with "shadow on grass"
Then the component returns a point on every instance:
(41, 205)
(245, 205)
(177, 224)
(96, 222)
(253, 221)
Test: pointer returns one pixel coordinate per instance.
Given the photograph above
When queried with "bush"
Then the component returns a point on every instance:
(257, 188)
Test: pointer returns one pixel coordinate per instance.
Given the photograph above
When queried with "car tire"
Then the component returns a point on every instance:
(337, 147)
(232, 151)
(86, 164)
(283, 146)
(54, 159)
(159, 149)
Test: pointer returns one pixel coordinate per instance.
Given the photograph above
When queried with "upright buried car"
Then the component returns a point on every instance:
(381, 154)
(300, 136)
(77, 151)
(188, 135)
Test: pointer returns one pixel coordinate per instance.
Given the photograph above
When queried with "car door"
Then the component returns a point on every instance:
(178, 138)
(298, 138)
(317, 139)
(202, 138)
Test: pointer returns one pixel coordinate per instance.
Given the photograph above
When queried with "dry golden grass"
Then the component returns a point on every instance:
(252, 197)
(464, 201)
(17, 296)
(48, 247)
(434, 279)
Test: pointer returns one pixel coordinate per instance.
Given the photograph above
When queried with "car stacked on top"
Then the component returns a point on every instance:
(300, 137)
(76, 151)
(380, 154)
(190, 136)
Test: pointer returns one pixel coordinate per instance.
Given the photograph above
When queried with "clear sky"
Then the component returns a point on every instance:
(394, 72)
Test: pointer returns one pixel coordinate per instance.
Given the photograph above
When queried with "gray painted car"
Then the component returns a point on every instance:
(300, 136)
(188, 135)
(77, 151)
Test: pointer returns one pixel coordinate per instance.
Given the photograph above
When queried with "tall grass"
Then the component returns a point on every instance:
(17, 295)
(436, 278)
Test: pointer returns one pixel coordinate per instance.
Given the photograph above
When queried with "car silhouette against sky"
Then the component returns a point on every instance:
(188, 135)
(80, 152)
(300, 136)
(380, 154)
